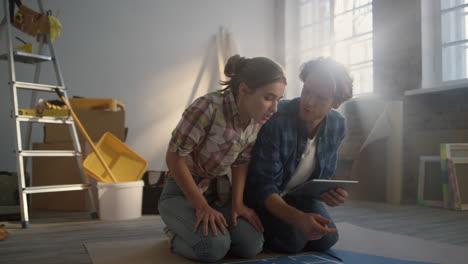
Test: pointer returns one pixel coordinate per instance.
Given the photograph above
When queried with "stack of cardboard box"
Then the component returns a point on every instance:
(64, 170)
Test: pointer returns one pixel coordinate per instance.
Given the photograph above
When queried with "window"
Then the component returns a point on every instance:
(444, 25)
(454, 19)
(341, 29)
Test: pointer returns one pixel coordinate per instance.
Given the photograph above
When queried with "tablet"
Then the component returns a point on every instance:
(316, 187)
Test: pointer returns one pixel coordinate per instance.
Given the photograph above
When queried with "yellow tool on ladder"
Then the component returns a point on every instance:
(27, 47)
(23, 152)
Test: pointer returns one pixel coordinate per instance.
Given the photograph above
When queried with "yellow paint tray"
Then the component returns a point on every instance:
(125, 164)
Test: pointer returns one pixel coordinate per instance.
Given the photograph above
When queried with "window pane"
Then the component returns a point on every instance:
(306, 14)
(324, 52)
(454, 63)
(342, 53)
(363, 20)
(343, 26)
(466, 61)
(323, 34)
(355, 50)
(363, 79)
(359, 3)
(453, 26)
(315, 36)
(306, 38)
(314, 11)
(451, 3)
(342, 6)
(322, 10)
(361, 50)
(465, 21)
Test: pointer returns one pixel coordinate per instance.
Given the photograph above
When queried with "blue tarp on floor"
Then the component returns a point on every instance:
(334, 257)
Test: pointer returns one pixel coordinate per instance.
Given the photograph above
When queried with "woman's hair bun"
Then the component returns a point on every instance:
(234, 65)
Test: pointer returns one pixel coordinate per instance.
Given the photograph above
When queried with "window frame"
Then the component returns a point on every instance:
(331, 43)
(433, 45)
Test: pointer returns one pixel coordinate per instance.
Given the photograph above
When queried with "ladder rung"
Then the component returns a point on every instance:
(44, 119)
(49, 153)
(24, 57)
(37, 86)
(56, 188)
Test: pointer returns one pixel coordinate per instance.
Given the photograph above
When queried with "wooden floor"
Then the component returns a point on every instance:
(59, 238)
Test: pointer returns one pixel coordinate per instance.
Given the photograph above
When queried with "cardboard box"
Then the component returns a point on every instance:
(57, 171)
(96, 123)
(8, 189)
(96, 103)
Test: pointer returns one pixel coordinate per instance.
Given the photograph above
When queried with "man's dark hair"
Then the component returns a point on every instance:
(330, 69)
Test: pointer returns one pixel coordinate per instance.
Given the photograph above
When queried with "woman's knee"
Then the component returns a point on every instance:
(212, 248)
(165, 206)
(183, 213)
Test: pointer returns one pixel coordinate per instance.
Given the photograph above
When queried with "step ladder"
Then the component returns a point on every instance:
(22, 152)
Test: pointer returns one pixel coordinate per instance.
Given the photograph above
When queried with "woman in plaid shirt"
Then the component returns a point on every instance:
(205, 219)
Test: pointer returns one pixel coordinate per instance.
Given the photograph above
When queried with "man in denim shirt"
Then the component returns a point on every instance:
(300, 142)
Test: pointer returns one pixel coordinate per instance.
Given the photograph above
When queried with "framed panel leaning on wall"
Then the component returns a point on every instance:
(430, 185)
(454, 166)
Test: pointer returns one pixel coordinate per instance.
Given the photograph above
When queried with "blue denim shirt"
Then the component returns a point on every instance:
(279, 147)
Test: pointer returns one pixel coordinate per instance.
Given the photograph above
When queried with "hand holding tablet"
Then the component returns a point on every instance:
(316, 187)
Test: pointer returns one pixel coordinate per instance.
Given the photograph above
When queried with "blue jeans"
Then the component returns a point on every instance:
(283, 237)
(178, 214)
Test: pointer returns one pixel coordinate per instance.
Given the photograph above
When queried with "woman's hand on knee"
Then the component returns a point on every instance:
(210, 218)
(248, 214)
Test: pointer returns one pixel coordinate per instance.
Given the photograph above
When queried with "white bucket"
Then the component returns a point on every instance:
(120, 201)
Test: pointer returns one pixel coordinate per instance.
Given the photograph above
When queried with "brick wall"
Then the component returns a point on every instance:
(361, 114)
(366, 167)
(429, 120)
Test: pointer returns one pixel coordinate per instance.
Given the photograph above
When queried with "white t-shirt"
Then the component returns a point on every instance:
(306, 166)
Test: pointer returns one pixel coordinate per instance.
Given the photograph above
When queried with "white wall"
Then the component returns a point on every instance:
(148, 54)
(291, 42)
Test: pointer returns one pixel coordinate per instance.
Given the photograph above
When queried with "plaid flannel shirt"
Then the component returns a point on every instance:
(210, 134)
(279, 148)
